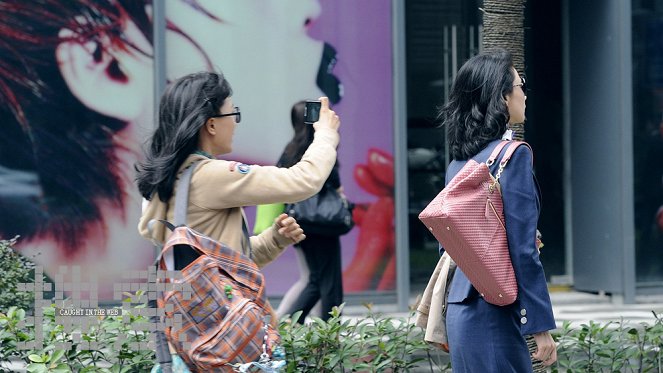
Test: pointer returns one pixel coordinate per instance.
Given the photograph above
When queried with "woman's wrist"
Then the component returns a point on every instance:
(328, 134)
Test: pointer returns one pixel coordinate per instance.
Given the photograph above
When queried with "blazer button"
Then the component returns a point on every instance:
(523, 320)
(523, 312)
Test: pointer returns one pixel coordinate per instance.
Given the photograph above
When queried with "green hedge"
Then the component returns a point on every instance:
(610, 347)
(373, 343)
(14, 269)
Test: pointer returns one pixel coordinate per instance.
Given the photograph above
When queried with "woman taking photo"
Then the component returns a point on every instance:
(486, 96)
(197, 120)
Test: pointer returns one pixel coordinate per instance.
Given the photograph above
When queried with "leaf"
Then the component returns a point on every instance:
(36, 358)
(334, 361)
(57, 355)
(383, 364)
(61, 368)
(37, 368)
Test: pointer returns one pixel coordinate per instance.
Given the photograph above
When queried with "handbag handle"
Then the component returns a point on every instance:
(513, 145)
(512, 148)
(495, 153)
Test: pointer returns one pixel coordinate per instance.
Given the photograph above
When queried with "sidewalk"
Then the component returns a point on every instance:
(568, 305)
(580, 308)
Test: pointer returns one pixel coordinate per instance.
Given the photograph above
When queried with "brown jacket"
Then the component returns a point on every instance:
(220, 188)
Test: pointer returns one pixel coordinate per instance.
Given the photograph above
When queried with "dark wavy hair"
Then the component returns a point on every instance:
(68, 150)
(183, 109)
(476, 112)
(301, 140)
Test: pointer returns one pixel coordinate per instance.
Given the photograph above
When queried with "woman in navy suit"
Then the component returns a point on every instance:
(488, 94)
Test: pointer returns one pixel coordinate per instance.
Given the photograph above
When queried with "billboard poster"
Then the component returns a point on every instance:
(76, 95)
(275, 53)
(76, 103)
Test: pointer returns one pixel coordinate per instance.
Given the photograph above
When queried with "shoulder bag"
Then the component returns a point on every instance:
(326, 213)
(467, 218)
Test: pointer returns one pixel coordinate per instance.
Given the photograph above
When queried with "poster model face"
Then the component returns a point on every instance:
(79, 104)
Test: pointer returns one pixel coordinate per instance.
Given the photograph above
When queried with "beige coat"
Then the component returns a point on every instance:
(220, 188)
(431, 310)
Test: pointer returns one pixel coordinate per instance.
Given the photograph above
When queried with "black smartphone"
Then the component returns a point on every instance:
(312, 111)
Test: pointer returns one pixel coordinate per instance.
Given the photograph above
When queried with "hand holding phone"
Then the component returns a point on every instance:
(323, 115)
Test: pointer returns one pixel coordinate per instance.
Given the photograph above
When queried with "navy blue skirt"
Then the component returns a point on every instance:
(486, 338)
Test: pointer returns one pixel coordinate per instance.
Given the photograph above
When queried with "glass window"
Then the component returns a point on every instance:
(648, 139)
(440, 36)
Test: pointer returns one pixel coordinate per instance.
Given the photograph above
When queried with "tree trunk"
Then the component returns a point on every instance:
(503, 27)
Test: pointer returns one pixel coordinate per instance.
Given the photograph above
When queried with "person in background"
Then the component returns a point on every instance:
(486, 96)
(265, 215)
(322, 253)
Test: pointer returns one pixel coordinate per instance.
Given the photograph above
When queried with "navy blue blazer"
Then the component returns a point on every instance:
(521, 199)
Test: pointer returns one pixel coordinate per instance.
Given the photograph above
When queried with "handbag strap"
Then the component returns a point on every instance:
(496, 152)
(511, 149)
(505, 159)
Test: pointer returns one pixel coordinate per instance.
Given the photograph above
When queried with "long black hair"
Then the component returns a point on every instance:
(476, 112)
(183, 109)
(301, 140)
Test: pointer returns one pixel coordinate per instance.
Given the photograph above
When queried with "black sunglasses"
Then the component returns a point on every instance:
(236, 113)
(522, 84)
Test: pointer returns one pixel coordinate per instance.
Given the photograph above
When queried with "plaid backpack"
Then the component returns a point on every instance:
(216, 313)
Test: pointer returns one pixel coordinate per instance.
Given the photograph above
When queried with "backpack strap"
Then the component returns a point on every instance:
(245, 230)
(182, 203)
(182, 195)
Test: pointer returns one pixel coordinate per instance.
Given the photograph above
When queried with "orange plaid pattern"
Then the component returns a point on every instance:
(223, 315)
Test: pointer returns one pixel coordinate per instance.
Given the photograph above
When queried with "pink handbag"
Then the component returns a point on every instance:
(467, 218)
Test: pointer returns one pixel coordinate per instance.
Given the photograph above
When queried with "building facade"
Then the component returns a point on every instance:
(594, 120)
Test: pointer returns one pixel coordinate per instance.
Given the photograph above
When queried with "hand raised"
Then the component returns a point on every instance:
(328, 118)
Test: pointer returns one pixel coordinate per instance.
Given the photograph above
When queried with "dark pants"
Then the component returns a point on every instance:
(325, 283)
